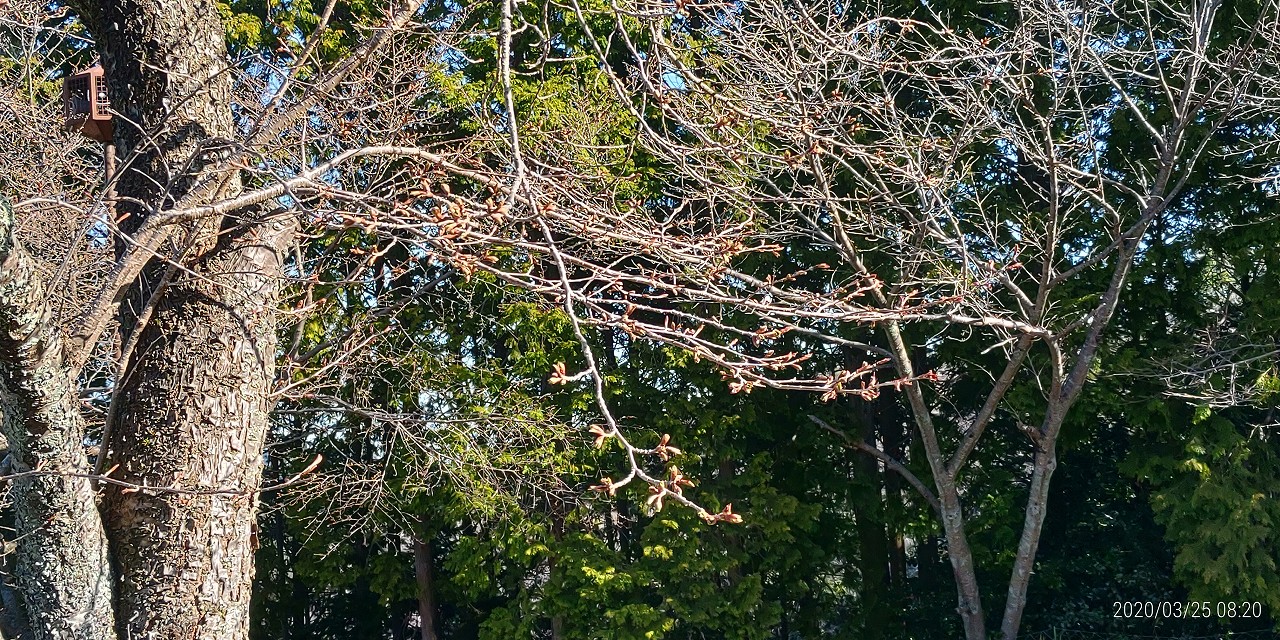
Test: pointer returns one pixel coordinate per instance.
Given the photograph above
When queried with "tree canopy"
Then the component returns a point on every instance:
(643, 319)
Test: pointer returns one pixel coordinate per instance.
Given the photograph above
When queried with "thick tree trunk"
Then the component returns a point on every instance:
(62, 564)
(167, 69)
(195, 395)
(194, 416)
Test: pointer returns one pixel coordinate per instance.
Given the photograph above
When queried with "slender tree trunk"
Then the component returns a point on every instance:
(1033, 524)
(894, 442)
(557, 534)
(894, 439)
(301, 595)
(969, 598)
(423, 569)
(365, 616)
(872, 562)
(928, 556)
(1046, 439)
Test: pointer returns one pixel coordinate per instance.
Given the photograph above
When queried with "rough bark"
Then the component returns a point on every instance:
(194, 415)
(167, 69)
(62, 565)
(195, 395)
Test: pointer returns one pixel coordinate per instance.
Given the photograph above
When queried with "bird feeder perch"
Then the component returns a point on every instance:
(86, 107)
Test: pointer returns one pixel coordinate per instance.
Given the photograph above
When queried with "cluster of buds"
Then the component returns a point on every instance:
(497, 210)
(664, 449)
(656, 494)
(741, 386)
(678, 481)
(606, 486)
(768, 334)
(872, 283)
(661, 490)
(675, 486)
(601, 434)
(424, 191)
(789, 359)
(867, 390)
(559, 374)
(726, 515)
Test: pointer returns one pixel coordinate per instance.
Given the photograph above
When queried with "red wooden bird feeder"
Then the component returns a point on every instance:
(86, 106)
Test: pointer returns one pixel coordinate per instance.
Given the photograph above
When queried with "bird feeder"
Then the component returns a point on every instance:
(85, 105)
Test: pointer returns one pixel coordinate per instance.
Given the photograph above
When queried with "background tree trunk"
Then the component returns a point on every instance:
(873, 547)
(423, 568)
